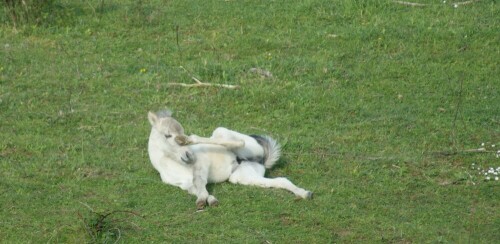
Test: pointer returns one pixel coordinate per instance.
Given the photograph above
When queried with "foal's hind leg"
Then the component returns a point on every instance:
(252, 150)
(252, 173)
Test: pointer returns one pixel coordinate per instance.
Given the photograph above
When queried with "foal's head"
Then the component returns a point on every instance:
(166, 126)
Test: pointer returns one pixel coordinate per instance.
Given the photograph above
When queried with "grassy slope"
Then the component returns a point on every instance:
(363, 95)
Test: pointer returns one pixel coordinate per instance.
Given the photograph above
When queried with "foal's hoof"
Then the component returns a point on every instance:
(306, 195)
(182, 140)
(212, 201)
(200, 205)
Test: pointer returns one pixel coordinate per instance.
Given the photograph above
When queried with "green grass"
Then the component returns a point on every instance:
(375, 104)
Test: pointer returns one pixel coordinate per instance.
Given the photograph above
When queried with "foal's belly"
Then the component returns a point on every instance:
(221, 169)
(221, 162)
(219, 173)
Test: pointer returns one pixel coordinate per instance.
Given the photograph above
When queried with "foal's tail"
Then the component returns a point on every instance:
(272, 150)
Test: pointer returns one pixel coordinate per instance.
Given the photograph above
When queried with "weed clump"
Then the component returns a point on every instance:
(21, 12)
(108, 226)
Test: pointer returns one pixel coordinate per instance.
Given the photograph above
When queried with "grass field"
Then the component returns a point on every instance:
(378, 105)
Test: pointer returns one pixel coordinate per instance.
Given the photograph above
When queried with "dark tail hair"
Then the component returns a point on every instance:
(272, 150)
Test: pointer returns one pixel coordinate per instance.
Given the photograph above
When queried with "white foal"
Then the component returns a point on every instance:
(190, 162)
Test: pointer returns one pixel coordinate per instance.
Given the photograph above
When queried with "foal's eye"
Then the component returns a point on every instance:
(168, 136)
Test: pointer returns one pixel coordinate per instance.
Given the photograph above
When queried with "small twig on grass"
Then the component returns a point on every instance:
(87, 228)
(119, 235)
(201, 84)
(86, 205)
(262, 72)
(470, 178)
(92, 7)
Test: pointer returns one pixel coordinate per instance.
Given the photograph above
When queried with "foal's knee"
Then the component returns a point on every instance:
(220, 132)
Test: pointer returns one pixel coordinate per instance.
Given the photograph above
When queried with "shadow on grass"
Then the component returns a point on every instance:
(282, 163)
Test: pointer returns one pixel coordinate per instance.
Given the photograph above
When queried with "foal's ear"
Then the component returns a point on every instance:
(152, 118)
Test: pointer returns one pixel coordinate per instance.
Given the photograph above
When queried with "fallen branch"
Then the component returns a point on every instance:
(200, 83)
(451, 153)
(464, 3)
(477, 150)
(411, 4)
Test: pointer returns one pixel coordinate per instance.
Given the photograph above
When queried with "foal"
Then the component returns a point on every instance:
(190, 162)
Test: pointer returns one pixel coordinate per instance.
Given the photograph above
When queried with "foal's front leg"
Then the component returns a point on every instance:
(200, 175)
